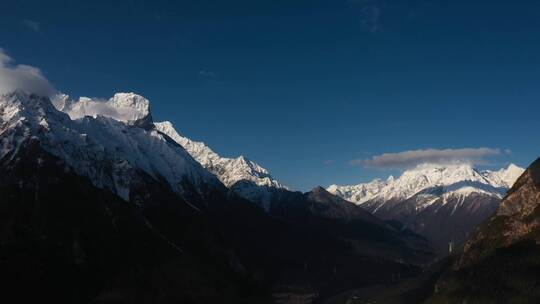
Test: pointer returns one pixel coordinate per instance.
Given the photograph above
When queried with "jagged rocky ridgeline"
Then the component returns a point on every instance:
(107, 150)
(443, 202)
(103, 206)
(244, 177)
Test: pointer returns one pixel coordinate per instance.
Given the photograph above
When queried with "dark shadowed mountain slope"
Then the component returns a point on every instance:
(62, 238)
(501, 262)
(328, 214)
(517, 218)
(65, 239)
(300, 247)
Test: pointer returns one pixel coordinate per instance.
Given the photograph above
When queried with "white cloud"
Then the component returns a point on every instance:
(22, 77)
(435, 156)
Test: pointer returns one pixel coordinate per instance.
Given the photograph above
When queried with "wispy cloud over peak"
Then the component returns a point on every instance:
(412, 158)
(22, 77)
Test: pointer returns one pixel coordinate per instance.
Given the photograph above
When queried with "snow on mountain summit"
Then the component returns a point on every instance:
(130, 108)
(455, 178)
(256, 180)
(443, 202)
(109, 152)
(359, 193)
(504, 177)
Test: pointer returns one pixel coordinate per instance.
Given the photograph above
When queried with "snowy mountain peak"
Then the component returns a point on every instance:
(110, 153)
(452, 178)
(252, 167)
(442, 202)
(136, 108)
(243, 159)
(505, 177)
(360, 193)
(131, 100)
(255, 180)
(513, 167)
(19, 107)
(129, 108)
(434, 174)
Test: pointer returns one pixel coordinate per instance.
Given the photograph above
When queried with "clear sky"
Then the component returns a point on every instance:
(308, 89)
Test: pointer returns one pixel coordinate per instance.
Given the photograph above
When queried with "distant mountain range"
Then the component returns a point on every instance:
(499, 262)
(443, 202)
(101, 205)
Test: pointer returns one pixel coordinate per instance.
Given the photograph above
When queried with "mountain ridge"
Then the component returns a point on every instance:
(205, 230)
(424, 176)
(245, 177)
(87, 141)
(500, 261)
(443, 202)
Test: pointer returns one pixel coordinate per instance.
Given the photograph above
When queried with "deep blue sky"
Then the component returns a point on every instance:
(302, 87)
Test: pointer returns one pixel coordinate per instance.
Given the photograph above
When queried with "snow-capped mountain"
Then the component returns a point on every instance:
(243, 176)
(362, 192)
(443, 202)
(84, 190)
(129, 108)
(504, 177)
(114, 154)
(454, 179)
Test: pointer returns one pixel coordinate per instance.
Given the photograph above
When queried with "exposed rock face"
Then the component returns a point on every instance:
(524, 196)
(518, 217)
(500, 263)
